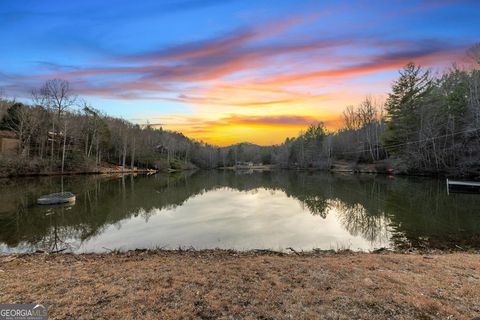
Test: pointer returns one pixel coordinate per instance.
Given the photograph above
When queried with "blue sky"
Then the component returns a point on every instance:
(228, 71)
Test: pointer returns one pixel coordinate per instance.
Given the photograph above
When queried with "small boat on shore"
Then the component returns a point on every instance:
(456, 186)
(57, 198)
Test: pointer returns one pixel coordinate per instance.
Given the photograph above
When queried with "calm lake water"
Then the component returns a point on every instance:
(223, 209)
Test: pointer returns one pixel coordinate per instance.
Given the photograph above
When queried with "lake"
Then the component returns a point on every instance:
(237, 210)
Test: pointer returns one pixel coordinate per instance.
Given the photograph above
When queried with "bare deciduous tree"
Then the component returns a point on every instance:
(57, 96)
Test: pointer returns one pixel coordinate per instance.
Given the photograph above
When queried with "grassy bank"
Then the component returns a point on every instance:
(231, 285)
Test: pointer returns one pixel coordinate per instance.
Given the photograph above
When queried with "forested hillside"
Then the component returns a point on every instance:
(428, 124)
(59, 131)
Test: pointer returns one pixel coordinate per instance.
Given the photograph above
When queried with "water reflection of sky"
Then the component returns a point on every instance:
(210, 209)
(231, 219)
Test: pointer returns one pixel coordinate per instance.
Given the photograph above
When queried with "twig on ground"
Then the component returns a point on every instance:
(58, 251)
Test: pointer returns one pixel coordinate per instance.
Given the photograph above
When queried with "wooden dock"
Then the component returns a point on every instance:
(456, 186)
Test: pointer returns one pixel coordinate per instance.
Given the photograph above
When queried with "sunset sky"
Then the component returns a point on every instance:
(228, 71)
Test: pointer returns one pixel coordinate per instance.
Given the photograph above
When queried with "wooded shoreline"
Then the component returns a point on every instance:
(351, 168)
(73, 173)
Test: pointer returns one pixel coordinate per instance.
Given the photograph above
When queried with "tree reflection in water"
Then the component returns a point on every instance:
(358, 221)
(60, 236)
(406, 211)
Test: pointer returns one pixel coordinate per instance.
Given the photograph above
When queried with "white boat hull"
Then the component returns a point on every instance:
(57, 198)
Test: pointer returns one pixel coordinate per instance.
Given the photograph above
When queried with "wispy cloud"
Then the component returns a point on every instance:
(276, 120)
(238, 57)
(423, 54)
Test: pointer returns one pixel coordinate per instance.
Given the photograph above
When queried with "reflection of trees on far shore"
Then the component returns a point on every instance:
(316, 205)
(375, 207)
(358, 221)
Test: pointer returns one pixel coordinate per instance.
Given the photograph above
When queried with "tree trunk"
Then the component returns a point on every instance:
(97, 155)
(124, 158)
(94, 139)
(86, 145)
(133, 155)
(53, 141)
(64, 143)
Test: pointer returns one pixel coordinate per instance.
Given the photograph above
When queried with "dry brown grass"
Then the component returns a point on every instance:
(228, 285)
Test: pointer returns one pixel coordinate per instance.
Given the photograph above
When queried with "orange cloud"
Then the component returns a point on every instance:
(264, 130)
(376, 64)
(276, 121)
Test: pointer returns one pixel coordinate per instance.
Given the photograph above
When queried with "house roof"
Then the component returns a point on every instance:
(7, 134)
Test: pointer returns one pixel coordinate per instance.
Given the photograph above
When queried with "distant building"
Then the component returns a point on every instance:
(9, 143)
(244, 164)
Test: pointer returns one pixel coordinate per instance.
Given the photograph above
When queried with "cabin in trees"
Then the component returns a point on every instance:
(9, 143)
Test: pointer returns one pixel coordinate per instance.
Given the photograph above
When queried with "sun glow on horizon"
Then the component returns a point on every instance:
(264, 126)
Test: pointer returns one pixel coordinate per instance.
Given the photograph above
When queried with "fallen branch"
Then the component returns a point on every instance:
(57, 251)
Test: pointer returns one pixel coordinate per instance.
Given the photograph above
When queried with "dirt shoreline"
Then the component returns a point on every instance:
(79, 173)
(350, 169)
(219, 284)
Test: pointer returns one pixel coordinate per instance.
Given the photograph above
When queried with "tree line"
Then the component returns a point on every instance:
(61, 132)
(428, 124)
